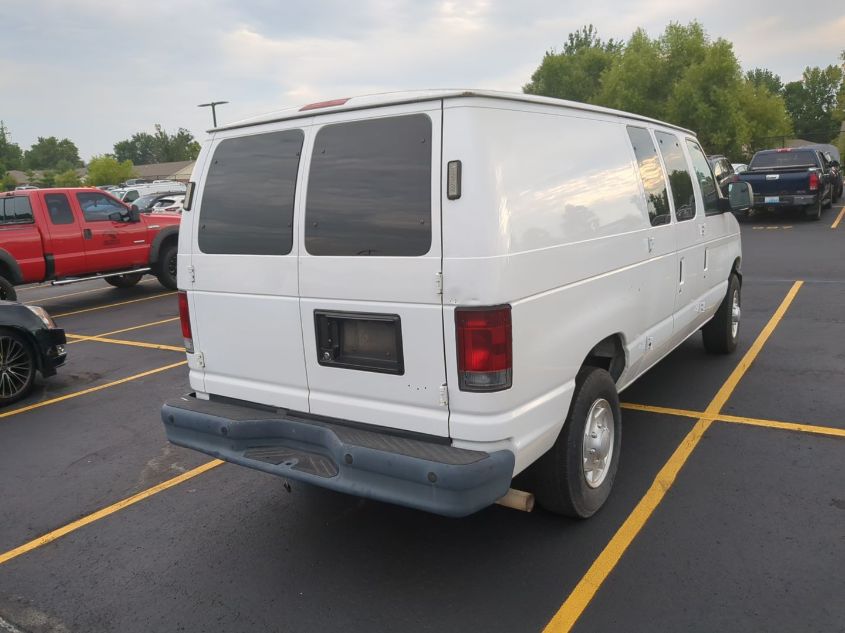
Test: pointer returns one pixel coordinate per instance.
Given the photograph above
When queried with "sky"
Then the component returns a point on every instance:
(97, 71)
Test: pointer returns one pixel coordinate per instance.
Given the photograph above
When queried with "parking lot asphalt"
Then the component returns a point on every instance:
(728, 512)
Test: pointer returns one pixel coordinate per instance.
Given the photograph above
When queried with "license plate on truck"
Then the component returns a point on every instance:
(771, 199)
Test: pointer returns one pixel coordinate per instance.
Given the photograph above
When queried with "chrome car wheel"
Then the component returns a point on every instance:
(598, 443)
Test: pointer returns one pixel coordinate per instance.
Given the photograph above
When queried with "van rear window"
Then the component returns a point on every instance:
(369, 188)
(247, 202)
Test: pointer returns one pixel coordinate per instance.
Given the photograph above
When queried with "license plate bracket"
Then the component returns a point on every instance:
(363, 341)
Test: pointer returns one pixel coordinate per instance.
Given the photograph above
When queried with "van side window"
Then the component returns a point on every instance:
(709, 192)
(679, 179)
(15, 210)
(247, 202)
(654, 180)
(369, 188)
(59, 208)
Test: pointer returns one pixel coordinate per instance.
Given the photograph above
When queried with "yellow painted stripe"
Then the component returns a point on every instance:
(76, 394)
(74, 294)
(104, 512)
(117, 341)
(598, 572)
(737, 419)
(786, 426)
(79, 338)
(114, 305)
(838, 219)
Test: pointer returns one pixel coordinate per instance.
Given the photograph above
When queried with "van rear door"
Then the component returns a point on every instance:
(244, 294)
(369, 269)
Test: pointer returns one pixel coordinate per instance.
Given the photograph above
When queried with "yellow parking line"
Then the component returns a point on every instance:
(117, 341)
(737, 419)
(73, 294)
(586, 589)
(83, 392)
(114, 305)
(104, 512)
(81, 339)
(838, 218)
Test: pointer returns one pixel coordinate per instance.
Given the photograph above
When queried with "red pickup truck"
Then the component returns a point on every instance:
(68, 235)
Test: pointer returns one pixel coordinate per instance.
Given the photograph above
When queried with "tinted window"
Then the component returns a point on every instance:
(59, 208)
(15, 210)
(654, 180)
(369, 188)
(679, 179)
(705, 178)
(784, 160)
(247, 203)
(96, 207)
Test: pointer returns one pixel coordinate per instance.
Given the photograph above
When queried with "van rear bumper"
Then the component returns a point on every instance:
(418, 472)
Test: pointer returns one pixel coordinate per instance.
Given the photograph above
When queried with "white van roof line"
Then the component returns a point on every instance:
(403, 97)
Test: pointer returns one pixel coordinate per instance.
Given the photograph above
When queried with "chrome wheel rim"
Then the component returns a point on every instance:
(736, 313)
(15, 367)
(597, 450)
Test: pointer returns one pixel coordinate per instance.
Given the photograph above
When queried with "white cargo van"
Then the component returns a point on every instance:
(414, 297)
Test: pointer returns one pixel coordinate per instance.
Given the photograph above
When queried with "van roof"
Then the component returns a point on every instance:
(397, 98)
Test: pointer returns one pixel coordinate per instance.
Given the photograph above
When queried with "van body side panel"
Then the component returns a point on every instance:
(363, 258)
(245, 297)
(553, 221)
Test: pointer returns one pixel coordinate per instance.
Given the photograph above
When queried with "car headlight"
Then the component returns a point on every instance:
(41, 313)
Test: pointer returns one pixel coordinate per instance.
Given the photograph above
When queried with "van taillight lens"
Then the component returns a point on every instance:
(185, 320)
(485, 349)
(814, 182)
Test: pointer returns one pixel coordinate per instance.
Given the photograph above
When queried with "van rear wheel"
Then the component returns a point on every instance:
(575, 477)
(721, 333)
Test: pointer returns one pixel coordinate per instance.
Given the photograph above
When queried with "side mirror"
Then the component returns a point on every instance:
(740, 196)
(117, 216)
(134, 213)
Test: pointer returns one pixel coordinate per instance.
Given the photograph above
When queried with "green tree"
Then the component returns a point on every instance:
(50, 153)
(11, 156)
(575, 73)
(106, 170)
(144, 148)
(812, 103)
(46, 179)
(8, 182)
(764, 78)
(67, 178)
(768, 121)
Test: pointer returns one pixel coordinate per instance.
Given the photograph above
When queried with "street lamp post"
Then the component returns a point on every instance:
(213, 105)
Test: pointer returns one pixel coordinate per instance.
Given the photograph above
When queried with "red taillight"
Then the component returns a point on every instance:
(485, 349)
(814, 182)
(185, 320)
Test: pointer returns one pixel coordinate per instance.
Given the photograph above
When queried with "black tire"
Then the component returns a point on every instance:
(166, 267)
(559, 479)
(124, 281)
(7, 290)
(814, 212)
(17, 366)
(719, 334)
(829, 201)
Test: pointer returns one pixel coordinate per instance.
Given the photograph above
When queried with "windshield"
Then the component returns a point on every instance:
(783, 160)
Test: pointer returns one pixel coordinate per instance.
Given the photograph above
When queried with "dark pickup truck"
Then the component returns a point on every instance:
(790, 177)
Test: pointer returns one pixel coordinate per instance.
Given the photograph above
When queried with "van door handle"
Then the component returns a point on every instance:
(86, 233)
(681, 276)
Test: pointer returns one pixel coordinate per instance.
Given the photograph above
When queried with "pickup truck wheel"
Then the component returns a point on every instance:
(7, 290)
(17, 367)
(166, 272)
(575, 477)
(124, 281)
(721, 333)
(814, 212)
